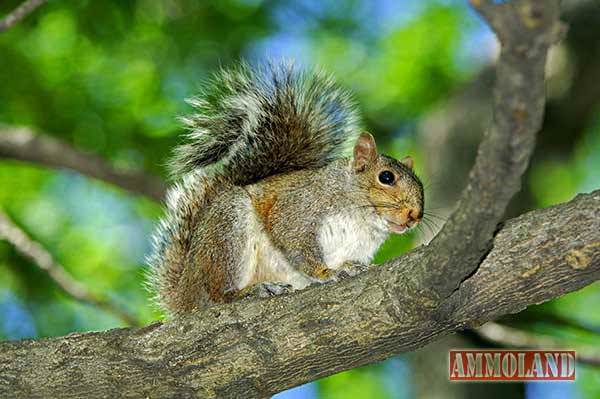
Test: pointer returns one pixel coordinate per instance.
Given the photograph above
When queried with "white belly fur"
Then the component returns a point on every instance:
(341, 237)
(350, 238)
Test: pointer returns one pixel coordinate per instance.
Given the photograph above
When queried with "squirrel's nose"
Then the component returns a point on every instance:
(414, 215)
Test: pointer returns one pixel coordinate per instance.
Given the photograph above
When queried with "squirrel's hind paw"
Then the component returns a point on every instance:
(349, 269)
(267, 289)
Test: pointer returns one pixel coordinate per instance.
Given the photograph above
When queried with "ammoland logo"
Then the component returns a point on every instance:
(511, 365)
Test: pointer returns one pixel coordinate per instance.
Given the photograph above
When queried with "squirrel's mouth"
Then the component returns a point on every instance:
(400, 228)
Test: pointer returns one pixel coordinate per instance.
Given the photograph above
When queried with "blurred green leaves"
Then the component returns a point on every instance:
(557, 180)
(359, 383)
(406, 71)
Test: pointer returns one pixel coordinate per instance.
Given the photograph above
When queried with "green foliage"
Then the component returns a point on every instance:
(117, 91)
(359, 383)
(404, 72)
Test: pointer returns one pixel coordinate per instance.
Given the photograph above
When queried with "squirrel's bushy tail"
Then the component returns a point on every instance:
(249, 124)
(253, 123)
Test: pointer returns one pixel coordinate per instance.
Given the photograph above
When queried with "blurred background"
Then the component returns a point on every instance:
(98, 86)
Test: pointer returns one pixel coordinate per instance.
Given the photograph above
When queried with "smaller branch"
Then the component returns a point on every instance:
(19, 13)
(571, 323)
(553, 320)
(525, 29)
(24, 145)
(504, 336)
(36, 253)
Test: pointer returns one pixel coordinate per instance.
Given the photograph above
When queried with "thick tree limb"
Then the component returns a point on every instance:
(24, 145)
(36, 253)
(19, 13)
(255, 348)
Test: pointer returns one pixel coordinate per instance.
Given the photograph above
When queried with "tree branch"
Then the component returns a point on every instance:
(526, 29)
(19, 13)
(562, 321)
(37, 254)
(450, 135)
(24, 145)
(255, 348)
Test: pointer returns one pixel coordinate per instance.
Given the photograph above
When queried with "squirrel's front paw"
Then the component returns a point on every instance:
(269, 289)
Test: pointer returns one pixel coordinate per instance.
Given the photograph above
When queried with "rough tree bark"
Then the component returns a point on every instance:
(471, 273)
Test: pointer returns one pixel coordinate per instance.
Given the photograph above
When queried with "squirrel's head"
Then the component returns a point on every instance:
(394, 191)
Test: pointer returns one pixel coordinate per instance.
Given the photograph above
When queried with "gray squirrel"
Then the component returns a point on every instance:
(267, 202)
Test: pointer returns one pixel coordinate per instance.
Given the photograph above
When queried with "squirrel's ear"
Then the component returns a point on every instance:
(365, 151)
(408, 161)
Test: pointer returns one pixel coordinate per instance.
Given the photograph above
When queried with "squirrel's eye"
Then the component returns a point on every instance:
(386, 177)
